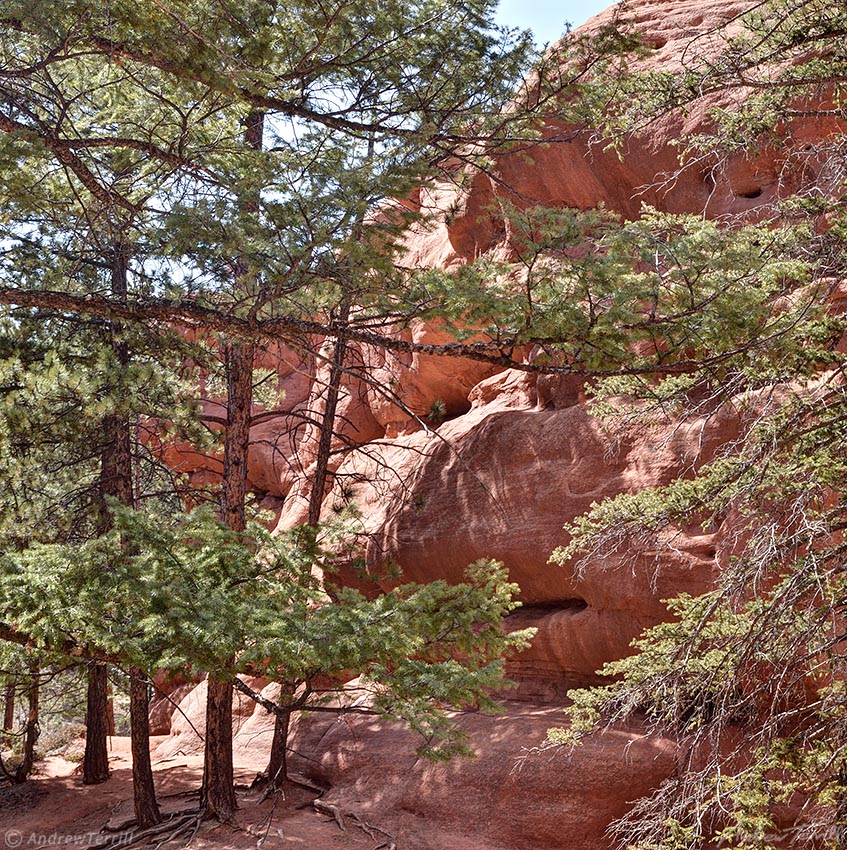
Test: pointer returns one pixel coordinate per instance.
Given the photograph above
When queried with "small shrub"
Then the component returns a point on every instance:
(437, 411)
(62, 740)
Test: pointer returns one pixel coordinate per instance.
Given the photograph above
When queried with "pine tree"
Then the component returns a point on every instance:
(706, 317)
(24, 682)
(71, 406)
(246, 147)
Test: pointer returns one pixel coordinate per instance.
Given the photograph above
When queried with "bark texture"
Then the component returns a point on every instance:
(95, 762)
(321, 476)
(217, 797)
(144, 792)
(278, 764)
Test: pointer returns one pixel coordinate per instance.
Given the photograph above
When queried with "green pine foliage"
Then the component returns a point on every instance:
(127, 129)
(127, 126)
(741, 320)
(59, 384)
(666, 295)
(190, 595)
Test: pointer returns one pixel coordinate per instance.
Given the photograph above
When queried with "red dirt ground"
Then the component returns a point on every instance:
(54, 809)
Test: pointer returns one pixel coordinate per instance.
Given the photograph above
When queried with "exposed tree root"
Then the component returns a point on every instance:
(332, 811)
(174, 826)
(271, 788)
(369, 829)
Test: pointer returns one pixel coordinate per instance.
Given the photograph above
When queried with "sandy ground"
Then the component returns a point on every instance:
(54, 809)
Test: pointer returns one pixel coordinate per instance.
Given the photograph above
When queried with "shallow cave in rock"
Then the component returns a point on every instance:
(573, 605)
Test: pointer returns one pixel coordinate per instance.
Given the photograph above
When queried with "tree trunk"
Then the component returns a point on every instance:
(144, 792)
(32, 729)
(277, 770)
(336, 371)
(116, 455)
(238, 357)
(341, 320)
(115, 482)
(95, 762)
(217, 797)
(115, 466)
(8, 712)
(218, 793)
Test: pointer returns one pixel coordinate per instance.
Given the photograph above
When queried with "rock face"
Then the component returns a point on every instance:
(546, 800)
(514, 460)
(500, 482)
(509, 799)
(168, 694)
(188, 718)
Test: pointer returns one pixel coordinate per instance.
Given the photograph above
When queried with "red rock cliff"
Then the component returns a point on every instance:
(517, 458)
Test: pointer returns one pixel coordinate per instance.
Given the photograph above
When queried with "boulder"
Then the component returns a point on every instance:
(169, 690)
(508, 797)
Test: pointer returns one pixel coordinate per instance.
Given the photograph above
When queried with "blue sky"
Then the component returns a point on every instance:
(546, 18)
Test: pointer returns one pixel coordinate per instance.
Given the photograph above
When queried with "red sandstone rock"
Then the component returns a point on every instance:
(188, 722)
(419, 381)
(510, 798)
(168, 692)
(500, 482)
(517, 459)
(558, 800)
(502, 479)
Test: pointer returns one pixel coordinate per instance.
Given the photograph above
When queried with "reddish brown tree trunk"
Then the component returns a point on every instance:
(217, 797)
(116, 455)
(115, 466)
(95, 761)
(277, 770)
(238, 357)
(144, 792)
(115, 482)
(321, 476)
(218, 793)
(341, 320)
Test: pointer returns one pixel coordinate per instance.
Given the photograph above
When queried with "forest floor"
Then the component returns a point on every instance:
(54, 809)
